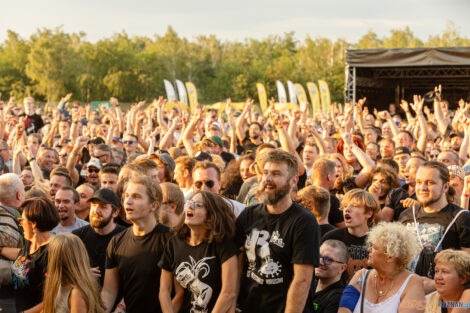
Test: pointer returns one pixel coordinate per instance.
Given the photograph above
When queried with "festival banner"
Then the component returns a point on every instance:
(281, 92)
(314, 96)
(263, 97)
(300, 92)
(324, 95)
(182, 92)
(170, 91)
(292, 95)
(192, 95)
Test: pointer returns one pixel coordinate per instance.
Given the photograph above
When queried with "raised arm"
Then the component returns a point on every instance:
(73, 158)
(367, 163)
(241, 122)
(418, 108)
(439, 115)
(189, 132)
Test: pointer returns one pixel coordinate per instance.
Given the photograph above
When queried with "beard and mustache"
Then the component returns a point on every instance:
(271, 198)
(98, 221)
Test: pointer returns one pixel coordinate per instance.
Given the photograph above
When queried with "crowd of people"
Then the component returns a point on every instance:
(156, 209)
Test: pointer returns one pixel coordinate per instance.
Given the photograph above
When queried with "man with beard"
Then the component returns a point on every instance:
(404, 195)
(85, 191)
(104, 208)
(66, 201)
(434, 216)
(280, 240)
(402, 155)
(93, 168)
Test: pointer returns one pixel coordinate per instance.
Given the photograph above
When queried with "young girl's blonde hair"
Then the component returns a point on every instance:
(68, 264)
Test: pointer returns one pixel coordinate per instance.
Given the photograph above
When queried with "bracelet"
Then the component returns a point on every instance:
(32, 159)
(465, 195)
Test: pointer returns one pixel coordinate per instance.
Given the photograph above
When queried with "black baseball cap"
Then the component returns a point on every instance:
(106, 196)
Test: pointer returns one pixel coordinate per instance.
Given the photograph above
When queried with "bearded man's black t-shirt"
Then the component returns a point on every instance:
(273, 244)
(33, 123)
(136, 258)
(96, 245)
(198, 269)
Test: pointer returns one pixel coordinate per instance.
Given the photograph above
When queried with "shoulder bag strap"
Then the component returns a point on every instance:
(417, 229)
(448, 227)
(363, 291)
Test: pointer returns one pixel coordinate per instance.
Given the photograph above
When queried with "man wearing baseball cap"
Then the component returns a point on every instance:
(402, 155)
(219, 149)
(93, 168)
(104, 209)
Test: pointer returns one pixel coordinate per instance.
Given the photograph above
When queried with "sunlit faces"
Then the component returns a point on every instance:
(65, 205)
(64, 129)
(137, 205)
(109, 180)
(448, 158)
(196, 212)
(402, 159)
(28, 229)
(331, 268)
(376, 255)
(56, 182)
(372, 151)
(46, 159)
(85, 192)
(309, 155)
(355, 216)
(206, 179)
(370, 135)
(101, 214)
(429, 186)
(27, 177)
(338, 167)
(447, 280)
(275, 183)
(382, 182)
(348, 153)
(255, 132)
(410, 170)
(245, 172)
(387, 149)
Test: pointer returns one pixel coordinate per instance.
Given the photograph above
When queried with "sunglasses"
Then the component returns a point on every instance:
(195, 204)
(129, 142)
(93, 170)
(209, 184)
(328, 261)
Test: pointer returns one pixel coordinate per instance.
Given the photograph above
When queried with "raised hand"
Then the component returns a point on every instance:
(81, 142)
(114, 101)
(228, 107)
(404, 105)
(418, 104)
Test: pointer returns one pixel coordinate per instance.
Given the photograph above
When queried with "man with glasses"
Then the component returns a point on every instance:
(130, 144)
(329, 285)
(170, 212)
(103, 153)
(93, 168)
(206, 176)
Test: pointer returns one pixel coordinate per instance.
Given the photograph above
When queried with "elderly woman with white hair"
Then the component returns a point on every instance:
(388, 286)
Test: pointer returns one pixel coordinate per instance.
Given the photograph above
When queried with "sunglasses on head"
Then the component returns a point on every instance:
(209, 184)
(93, 170)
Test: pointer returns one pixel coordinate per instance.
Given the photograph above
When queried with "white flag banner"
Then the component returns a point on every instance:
(182, 92)
(170, 91)
(281, 92)
(292, 94)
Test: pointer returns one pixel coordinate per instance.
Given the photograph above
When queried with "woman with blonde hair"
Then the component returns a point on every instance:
(70, 285)
(387, 287)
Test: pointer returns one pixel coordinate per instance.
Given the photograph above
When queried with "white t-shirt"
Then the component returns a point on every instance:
(68, 229)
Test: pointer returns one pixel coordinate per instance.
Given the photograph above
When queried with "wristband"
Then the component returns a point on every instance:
(466, 195)
(32, 159)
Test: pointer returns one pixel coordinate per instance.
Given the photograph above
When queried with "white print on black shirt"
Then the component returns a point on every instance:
(430, 234)
(257, 246)
(188, 275)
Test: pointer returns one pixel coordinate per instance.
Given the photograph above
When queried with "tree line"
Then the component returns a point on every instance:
(52, 63)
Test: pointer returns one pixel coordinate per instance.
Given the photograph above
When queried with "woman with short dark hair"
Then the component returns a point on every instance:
(202, 258)
(39, 217)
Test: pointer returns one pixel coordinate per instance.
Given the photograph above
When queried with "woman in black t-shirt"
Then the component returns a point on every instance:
(39, 217)
(201, 256)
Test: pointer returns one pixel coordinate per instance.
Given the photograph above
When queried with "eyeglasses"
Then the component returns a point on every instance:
(209, 184)
(328, 261)
(129, 142)
(195, 204)
(93, 170)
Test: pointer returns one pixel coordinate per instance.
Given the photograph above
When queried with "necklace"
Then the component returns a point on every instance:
(381, 293)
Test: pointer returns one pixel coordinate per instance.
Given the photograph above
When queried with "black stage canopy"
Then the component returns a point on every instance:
(386, 76)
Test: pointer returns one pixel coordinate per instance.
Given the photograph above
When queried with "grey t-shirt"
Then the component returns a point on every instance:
(68, 229)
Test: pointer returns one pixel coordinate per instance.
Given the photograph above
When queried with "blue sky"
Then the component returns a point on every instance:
(236, 20)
